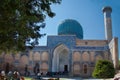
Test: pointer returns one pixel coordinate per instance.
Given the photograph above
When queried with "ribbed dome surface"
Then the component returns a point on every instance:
(70, 27)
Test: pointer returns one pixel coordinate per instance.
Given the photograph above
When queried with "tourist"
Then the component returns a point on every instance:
(10, 75)
(2, 75)
(16, 75)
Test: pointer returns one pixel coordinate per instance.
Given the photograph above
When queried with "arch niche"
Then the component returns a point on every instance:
(60, 60)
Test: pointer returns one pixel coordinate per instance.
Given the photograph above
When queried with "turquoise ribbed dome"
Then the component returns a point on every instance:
(70, 27)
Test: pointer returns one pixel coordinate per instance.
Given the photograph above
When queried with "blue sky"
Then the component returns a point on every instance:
(88, 13)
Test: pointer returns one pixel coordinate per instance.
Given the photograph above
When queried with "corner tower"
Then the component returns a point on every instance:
(108, 22)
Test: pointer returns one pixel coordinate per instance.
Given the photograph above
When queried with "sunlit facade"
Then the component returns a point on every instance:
(65, 52)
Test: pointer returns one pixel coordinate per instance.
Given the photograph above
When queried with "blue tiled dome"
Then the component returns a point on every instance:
(70, 27)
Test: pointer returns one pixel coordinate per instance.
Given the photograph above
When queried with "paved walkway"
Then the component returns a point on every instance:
(79, 79)
(83, 79)
(116, 76)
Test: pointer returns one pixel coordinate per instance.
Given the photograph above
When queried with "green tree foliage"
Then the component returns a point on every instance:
(103, 69)
(20, 22)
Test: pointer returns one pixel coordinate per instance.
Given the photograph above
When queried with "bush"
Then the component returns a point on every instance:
(103, 69)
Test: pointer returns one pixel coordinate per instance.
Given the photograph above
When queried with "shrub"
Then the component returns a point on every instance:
(103, 69)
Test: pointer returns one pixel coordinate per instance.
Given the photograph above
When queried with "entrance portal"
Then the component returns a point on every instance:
(60, 59)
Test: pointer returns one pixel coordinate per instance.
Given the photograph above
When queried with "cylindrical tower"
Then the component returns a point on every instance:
(108, 23)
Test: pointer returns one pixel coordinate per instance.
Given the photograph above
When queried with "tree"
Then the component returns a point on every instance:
(20, 22)
(103, 69)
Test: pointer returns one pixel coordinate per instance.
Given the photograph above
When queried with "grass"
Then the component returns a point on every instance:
(27, 78)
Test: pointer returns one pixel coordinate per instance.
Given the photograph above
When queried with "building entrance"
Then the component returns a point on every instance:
(60, 59)
(66, 68)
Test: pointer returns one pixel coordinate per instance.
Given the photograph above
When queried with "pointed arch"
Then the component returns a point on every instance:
(60, 58)
(76, 69)
(45, 56)
(44, 67)
(85, 56)
(8, 58)
(24, 61)
(36, 56)
(76, 56)
(98, 57)
(17, 56)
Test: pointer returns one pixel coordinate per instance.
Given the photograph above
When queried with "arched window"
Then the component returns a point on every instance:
(85, 68)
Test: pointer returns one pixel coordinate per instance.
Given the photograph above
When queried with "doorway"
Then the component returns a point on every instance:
(65, 68)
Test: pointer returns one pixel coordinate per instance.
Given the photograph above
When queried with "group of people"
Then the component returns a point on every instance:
(10, 76)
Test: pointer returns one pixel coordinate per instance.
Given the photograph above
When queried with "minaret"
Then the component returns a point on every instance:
(108, 34)
(108, 23)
